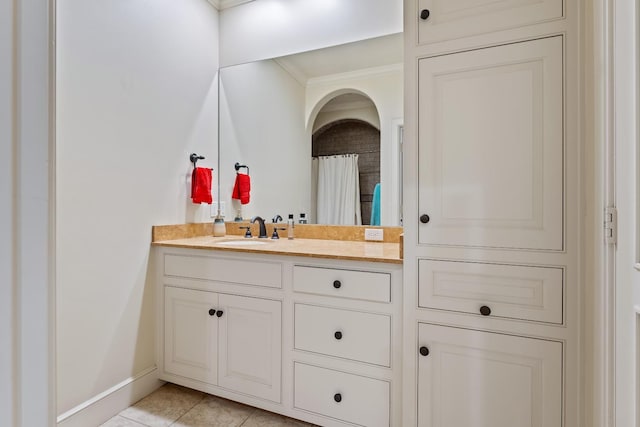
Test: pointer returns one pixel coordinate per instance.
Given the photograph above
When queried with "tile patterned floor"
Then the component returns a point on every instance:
(172, 405)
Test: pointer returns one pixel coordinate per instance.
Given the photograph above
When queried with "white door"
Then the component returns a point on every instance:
(480, 379)
(627, 253)
(449, 19)
(250, 346)
(491, 147)
(191, 334)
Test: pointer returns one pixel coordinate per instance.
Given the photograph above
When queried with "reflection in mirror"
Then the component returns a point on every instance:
(343, 102)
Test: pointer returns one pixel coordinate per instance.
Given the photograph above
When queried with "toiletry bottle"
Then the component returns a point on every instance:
(219, 227)
(290, 227)
(303, 218)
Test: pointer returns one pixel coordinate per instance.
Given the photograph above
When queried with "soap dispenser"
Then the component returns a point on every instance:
(219, 227)
(290, 227)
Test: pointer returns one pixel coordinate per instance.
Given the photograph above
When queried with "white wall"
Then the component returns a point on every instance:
(137, 92)
(262, 125)
(271, 28)
(384, 87)
(26, 285)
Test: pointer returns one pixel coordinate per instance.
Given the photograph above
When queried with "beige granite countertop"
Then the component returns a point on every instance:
(319, 248)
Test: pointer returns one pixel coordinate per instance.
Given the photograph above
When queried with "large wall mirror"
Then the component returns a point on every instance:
(319, 131)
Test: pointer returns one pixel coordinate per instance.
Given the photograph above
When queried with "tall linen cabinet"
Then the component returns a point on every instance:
(491, 283)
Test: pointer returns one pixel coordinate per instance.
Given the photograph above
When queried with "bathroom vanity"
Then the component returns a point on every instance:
(307, 328)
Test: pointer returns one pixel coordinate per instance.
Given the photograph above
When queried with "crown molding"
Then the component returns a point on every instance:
(358, 74)
(226, 4)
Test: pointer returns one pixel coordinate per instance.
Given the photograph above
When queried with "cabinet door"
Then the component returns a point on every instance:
(491, 147)
(481, 379)
(191, 334)
(450, 19)
(250, 346)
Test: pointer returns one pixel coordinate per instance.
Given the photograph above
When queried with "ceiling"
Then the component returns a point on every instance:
(351, 57)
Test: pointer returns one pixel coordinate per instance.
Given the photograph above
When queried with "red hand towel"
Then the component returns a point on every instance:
(242, 188)
(201, 185)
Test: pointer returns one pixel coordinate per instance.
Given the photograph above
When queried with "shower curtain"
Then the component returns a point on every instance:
(338, 190)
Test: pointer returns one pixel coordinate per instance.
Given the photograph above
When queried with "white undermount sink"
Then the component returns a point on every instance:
(248, 242)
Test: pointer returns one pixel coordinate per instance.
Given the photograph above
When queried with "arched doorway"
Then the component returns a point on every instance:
(346, 125)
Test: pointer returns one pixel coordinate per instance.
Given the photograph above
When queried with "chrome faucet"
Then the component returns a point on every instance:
(263, 229)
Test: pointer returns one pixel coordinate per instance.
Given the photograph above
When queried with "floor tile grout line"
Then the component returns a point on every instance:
(202, 398)
(251, 414)
(131, 419)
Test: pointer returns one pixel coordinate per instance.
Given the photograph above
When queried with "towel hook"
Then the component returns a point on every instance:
(193, 158)
(238, 166)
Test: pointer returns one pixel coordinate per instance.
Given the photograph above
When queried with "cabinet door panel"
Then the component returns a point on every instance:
(190, 334)
(491, 147)
(480, 379)
(450, 19)
(250, 346)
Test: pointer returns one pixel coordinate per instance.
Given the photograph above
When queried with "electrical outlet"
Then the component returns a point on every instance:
(376, 234)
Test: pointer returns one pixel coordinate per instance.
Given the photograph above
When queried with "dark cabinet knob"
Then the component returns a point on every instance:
(338, 335)
(424, 14)
(337, 284)
(485, 311)
(211, 312)
(424, 218)
(337, 397)
(424, 351)
(219, 313)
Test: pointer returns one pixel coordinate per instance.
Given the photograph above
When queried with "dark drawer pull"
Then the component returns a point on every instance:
(337, 397)
(424, 14)
(211, 312)
(337, 284)
(485, 311)
(424, 351)
(338, 335)
(424, 218)
(219, 313)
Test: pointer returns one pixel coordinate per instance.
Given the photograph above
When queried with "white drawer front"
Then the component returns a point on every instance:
(363, 401)
(349, 334)
(517, 292)
(224, 270)
(363, 285)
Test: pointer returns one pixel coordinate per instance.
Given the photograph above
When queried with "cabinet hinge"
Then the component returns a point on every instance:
(611, 225)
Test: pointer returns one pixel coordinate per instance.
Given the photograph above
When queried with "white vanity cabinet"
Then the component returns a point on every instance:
(311, 338)
(213, 338)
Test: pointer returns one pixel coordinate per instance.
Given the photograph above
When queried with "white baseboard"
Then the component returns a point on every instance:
(109, 403)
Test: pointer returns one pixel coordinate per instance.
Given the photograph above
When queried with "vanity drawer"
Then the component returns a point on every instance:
(352, 398)
(511, 291)
(244, 272)
(354, 335)
(364, 285)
